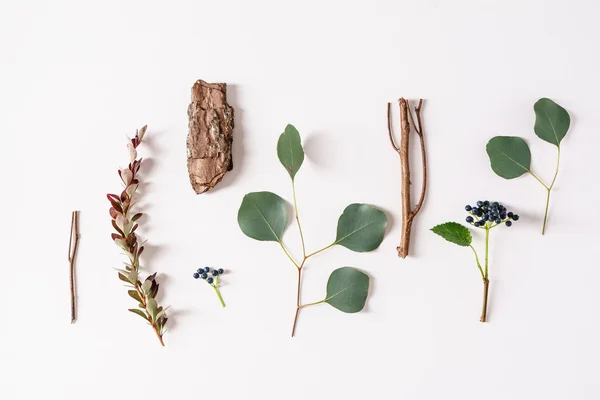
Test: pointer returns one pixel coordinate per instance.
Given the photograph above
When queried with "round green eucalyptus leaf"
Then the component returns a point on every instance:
(290, 151)
(551, 121)
(361, 227)
(509, 156)
(347, 289)
(263, 216)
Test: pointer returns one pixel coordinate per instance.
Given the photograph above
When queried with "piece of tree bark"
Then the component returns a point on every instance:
(408, 214)
(210, 135)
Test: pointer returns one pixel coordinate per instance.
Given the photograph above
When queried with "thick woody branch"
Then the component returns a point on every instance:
(406, 122)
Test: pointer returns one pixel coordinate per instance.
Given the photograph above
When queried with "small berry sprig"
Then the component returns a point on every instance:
(488, 215)
(124, 221)
(213, 282)
(485, 215)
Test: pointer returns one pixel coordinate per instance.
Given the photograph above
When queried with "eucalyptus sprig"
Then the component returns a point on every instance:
(510, 156)
(263, 216)
(484, 215)
(124, 221)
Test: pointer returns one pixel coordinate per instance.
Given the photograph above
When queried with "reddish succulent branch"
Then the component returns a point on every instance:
(73, 242)
(406, 123)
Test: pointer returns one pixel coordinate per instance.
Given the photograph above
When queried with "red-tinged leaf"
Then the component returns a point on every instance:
(135, 181)
(112, 197)
(140, 252)
(151, 277)
(131, 239)
(115, 236)
(117, 206)
(114, 224)
(134, 228)
(153, 290)
(136, 217)
(124, 196)
(123, 278)
(135, 295)
(113, 213)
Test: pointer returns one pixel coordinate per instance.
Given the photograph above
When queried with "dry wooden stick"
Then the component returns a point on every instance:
(73, 242)
(406, 120)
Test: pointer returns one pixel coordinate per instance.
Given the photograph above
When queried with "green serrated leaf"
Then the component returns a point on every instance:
(361, 227)
(263, 216)
(135, 295)
(290, 151)
(139, 312)
(454, 232)
(347, 289)
(509, 156)
(551, 121)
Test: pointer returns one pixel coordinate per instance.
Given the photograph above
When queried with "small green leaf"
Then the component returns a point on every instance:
(139, 312)
(290, 151)
(263, 216)
(361, 227)
(152, 307)
(509, 156)
(135, 295)
(551, 121)
(146, 286)
(454, 232)
(347, 289)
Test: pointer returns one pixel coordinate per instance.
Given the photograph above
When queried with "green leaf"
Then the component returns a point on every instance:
(289, 150)
(509, 156)
(134, 294)
(152, 307)
(361, 227)
(454, 232)
(139, 312)
(347, 289)
(263, 216)
(551, 121)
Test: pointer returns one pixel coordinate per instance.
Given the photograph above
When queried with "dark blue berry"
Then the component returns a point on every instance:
(200, 270)
(502, 216)
(204, 276)
(510, 214)
(486, 203)
(480, 203)
(498, 220)
(476, 224)
(495, 204)
(196, 275)
(469, 219)
(206, 269)
(515, 217)
(210, 280)
(485, 217)
(508, 223)
(468, 208)
(215, 272)
(221, 271)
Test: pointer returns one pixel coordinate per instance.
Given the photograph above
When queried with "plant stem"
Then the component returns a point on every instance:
(141, 294)
(486, 284)
(73, 242)
(549, 188)
(318, 251)
(487, 245)
(478, 264)
(297, 301)
(218, 292)
(298, 219)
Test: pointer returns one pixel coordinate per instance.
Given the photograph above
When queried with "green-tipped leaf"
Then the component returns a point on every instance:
(290, 151)
(509, 156)
(361, 227)
(551, 121)
(263, 216)
(135, 295)
(347, 289)
(139, 312)
(454, 232)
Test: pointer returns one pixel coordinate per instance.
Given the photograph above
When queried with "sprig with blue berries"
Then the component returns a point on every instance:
(484, 215)
(213, 282)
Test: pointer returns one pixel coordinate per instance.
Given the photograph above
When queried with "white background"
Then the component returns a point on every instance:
(77, 77)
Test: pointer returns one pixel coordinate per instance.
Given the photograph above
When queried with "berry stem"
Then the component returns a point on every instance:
(487, 246)
(486, 284)
(218, 292)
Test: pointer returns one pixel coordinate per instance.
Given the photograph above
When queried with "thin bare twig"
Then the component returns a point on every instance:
(406, 122)
(73, 242)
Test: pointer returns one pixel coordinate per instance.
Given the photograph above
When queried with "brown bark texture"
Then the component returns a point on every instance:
(210, 135)
(407, 122)
(486, 285)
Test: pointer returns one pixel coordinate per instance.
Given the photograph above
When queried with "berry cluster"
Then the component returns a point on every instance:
(203, 273)
(214, 280)
(488, 215)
